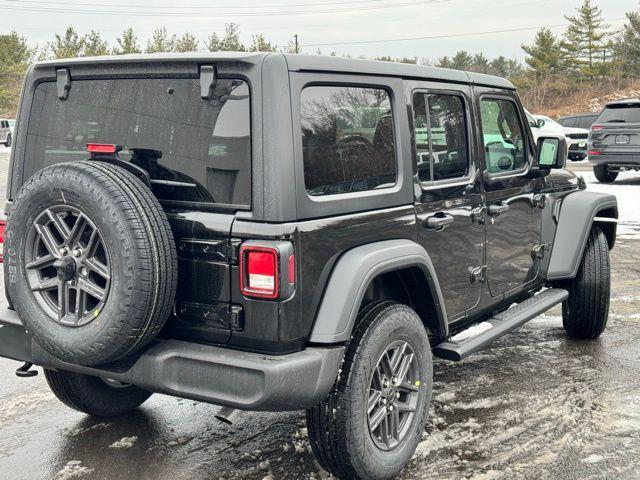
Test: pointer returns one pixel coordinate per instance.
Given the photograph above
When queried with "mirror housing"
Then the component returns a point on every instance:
(551, 152)
(540, 122)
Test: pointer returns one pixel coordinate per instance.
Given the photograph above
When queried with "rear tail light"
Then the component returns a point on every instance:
(267, 270)
(103, 148)
(3, 226)
(594, 153)
(596, 128)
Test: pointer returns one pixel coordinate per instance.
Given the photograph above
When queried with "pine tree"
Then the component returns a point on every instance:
(231, 39)
(480, 64)
(462, 60)
(627, 45)
(213, 44)
(545, 56)
(15, 56)
(444, 62)
(68, 45)
(586, 40)
(161, 41)
(186, 43)
(260, 44)
(93, 45)
(127, 43)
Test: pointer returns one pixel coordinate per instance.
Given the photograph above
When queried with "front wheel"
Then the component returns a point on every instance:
(8, 142)
(585, 312)
(93, 395)
(373, 419)
(603, 174)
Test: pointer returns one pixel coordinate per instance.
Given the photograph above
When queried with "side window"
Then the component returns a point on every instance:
(440, 133)
(585, 122)
(504, 144)
(347, 139)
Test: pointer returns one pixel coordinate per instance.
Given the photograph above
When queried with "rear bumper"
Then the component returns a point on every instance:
(243, 380)
(620, 159)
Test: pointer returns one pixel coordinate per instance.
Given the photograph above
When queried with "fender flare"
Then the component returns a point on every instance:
(352, 275)
(578, 212)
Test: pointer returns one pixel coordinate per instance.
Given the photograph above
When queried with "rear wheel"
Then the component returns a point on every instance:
(8, 142)
(603, 174)
(373, 419)
(93, 395)
(585, 312)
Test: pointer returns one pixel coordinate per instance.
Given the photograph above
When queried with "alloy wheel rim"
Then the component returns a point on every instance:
(67, 265)
(394, 390)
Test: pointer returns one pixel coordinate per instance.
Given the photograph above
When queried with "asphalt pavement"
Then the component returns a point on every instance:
(534, 405)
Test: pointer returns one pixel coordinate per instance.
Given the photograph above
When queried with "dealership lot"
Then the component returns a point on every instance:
(534, 405)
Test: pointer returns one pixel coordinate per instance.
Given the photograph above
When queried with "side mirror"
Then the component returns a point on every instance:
(540, 123)
(551, 152)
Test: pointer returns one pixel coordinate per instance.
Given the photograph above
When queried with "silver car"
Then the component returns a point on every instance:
(6, 134)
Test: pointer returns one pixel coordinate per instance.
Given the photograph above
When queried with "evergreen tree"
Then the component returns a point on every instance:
(480, 64)
(444, 62)
(127, 43)
(213, 44)
(15, 56)
(231, 39)
(93, 45)
(161, 41)
(462, 60)
(260, 44)
(545, 56)
(627, 45)
(68, 45)
(586, 40)
(186, 43)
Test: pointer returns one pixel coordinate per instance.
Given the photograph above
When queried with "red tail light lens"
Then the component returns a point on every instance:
(267, 269)
(594, 153)
(596, 128)
(3, 226)
(103, 148)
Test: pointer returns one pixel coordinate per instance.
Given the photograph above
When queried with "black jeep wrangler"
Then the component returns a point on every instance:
(285, 232)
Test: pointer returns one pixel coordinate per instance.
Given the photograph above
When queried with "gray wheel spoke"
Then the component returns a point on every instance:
(41, 262)
(63, 300)
(60, 224)
(397, 358)
(385, 363)
(376, 419)
(81, 304)
(92, 243)
(46, 285)
(77, 230)
(394, 424)
(91, 288)
(408, 387)
(403, 369)
(47, 238)
(98, 267)
(404, 407)
(374, 398)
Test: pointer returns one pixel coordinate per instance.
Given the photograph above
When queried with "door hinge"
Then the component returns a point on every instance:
(235, 318)
(539, 200)
(233, 249)
(539, 251)
(479, 274)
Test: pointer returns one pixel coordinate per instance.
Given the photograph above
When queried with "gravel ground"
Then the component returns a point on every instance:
(535, 405)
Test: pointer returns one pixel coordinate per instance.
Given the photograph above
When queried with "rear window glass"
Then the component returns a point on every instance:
(205, 145)
(348, 140)
(620, 114)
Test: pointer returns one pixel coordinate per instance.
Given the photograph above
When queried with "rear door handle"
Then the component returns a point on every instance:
(497, 209)
(438, 221)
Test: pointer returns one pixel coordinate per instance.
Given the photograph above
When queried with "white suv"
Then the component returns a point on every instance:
(6, 135)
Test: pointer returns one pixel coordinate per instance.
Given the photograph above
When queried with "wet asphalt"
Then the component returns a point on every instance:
(534, 405)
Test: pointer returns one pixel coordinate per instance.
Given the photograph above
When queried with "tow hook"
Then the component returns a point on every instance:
(25, 371)
(228, 415)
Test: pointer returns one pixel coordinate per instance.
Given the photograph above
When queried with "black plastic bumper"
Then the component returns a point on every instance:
(243, 380)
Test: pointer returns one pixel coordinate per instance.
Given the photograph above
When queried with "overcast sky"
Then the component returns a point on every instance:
(331, 21)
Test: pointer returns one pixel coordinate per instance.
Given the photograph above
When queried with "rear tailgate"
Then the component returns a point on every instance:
(617, 138)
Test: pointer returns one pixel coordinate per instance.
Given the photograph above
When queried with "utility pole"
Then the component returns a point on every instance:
(295, 38)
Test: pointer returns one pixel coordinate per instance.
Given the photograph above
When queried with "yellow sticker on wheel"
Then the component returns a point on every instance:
(417, 384)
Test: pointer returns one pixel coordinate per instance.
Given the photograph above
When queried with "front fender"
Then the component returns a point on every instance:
(578, 212)
(352, 275)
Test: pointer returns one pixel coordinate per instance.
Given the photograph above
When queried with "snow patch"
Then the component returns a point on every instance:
(593, 459)
(471, 332)
(126, 442)
(73, 469)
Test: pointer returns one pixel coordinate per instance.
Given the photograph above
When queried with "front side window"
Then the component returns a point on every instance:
(504, 145)
(194, 150)
(440, 133)
(348, 139)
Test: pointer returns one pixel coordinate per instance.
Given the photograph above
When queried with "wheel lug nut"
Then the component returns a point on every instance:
(397, 394)
(384, 402)
(77, 252)
(390, 408)
(83, 271)
(63, 251)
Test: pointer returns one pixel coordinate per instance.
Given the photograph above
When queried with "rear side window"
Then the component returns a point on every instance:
(440, 133)
(620, 114)
(205, 146)
(504, 144)
(568, 121)
(586, 121)
(347, 139)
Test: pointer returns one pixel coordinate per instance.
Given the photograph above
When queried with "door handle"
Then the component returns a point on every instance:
(438, 221)
(496, 209)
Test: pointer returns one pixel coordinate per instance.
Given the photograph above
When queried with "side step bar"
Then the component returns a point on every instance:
(480, 335)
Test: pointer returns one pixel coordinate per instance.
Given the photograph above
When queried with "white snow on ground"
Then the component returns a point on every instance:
(627, 189)
(472, 332)
(126, 442)
(4, 149)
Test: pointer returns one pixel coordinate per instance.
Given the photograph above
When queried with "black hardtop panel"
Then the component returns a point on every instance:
(625, 101)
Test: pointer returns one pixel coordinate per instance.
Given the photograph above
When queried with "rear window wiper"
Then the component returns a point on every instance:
(616, 120)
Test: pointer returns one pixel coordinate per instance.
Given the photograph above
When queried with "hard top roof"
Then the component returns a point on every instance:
(317, 63)
(624, 101)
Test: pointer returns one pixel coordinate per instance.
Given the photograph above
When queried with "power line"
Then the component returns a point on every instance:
(453, 35)
(217, 14)
(195, 7)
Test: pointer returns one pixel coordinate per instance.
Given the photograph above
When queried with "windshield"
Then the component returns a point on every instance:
(620, 114)
(194, 150)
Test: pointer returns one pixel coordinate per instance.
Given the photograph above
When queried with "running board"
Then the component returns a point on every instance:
(478, 336)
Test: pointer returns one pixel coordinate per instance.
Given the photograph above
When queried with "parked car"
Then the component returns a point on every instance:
(580, 120)
(576, 137)
(12, 125)
(614, 140)
(218, 239)
(6, 134)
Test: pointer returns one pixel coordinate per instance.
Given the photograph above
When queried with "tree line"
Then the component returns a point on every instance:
(586, 52)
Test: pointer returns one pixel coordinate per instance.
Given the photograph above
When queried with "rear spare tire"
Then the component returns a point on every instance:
(90, 262)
